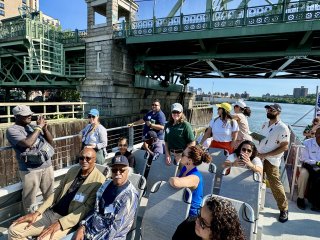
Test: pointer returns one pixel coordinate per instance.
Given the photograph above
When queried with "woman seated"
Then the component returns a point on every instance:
(123, 150)
(190, 177)
(245, 156)
(217, 220)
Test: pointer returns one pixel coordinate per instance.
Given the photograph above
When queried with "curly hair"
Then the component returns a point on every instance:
(225, 223)
(198, 155)
(253, 146)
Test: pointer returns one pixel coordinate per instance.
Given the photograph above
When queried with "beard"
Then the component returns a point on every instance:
(271, 116)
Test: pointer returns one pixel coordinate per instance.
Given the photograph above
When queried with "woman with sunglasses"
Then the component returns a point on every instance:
(245, 156)
(223, 128)
(178, 134)
(123, 150)
(190, 177)
(217, 220)
(241, 114)
(310, 130)
(94, 135)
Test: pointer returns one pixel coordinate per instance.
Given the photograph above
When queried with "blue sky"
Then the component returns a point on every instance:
(73, 15)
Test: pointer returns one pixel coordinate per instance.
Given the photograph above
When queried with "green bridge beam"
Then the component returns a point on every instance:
(229, 32)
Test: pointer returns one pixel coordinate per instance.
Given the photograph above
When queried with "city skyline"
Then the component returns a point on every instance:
(77, 9)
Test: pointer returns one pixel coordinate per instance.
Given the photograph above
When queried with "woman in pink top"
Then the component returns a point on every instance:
(241, 113)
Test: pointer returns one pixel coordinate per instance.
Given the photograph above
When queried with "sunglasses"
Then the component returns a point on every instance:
(270, 110)
(202, 223)
(121, 170)
(246, 150)
(122, 145)
(91, 116)
(175, 112)
(82, 158)
(154, 105)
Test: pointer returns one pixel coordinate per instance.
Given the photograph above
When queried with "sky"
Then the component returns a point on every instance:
(73, 15)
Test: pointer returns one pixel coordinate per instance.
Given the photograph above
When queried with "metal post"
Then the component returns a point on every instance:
(44, 110)
(8, 113)
(58, 112)
(245, 11)
(284, 10)
(72, 110)
(317, 106)
(131, 137)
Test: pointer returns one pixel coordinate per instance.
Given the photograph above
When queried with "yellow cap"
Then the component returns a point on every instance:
(225, 106)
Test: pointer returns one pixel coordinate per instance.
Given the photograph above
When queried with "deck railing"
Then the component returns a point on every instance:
(67, 149)
(245, 16)
(53, 110)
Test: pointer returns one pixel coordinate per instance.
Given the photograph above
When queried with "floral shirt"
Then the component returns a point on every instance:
(118, 217)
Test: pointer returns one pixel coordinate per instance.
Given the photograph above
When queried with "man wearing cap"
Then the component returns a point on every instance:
(67, 206)
(154, 120)
(95, 136)
(115, 207)
(24, 136)
(271, 149)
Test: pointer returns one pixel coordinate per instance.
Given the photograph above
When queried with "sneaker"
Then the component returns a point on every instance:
(283, 217)
(301, 204)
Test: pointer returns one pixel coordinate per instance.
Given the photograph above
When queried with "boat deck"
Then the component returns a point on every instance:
(302, 224)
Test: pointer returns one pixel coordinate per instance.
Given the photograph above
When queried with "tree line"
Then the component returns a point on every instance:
(308, 100)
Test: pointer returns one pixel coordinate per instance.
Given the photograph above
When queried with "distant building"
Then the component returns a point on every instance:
(300, 92)
(10, 8)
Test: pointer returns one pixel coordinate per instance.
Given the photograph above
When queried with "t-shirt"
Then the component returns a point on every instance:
(178, 136)
(274, 135)
(243, 133)
(17, 133)
(130, 157)
(256, 161)
(197, 194)
(221, 131)
(186, 231)
(159, 118)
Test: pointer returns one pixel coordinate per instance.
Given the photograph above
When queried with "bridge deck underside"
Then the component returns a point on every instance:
(277, 55)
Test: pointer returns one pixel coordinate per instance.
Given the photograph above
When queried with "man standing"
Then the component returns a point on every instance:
(67, 206)
(34, 174)
(115, 207)
(271, 149)
(310, 169)
(154, 120)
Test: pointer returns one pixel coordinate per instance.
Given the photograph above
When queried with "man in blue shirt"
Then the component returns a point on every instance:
(154, 120)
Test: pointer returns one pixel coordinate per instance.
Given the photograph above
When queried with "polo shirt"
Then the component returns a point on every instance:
(274, 134)
(158, 118)
(178, 136)
(311, 152)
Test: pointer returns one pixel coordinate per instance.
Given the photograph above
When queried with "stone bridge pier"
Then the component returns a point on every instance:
(110, 77)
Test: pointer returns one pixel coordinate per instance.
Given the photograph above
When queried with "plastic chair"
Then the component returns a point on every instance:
(141, 161)
(167, 207)
(208, 171)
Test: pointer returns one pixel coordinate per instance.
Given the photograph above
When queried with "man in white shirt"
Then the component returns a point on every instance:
(271, 149)
(310, 168)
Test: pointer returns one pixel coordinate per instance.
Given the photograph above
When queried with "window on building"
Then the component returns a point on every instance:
(1, 13)
(1, 5)
(100, 13)
(24, 1)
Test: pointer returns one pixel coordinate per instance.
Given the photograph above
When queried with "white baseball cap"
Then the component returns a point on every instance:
(240, 103)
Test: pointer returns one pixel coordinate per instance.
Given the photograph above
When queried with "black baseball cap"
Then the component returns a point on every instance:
(119, 160)
(275, 106)
(150, 134)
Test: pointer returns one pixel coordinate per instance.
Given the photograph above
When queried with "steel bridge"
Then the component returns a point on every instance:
(35, 54)
(278, 40)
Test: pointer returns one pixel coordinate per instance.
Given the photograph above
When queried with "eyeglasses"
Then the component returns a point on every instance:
(246, 150)
(175, 112)
(155, 105)
(270, 110)
(122, 145)
(82, 158)
(121, 170)
(202, 223)
(91, 116)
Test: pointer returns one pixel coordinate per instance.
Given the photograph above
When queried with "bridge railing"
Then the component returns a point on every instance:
(53, 110)
(245, 16)
(67, 149)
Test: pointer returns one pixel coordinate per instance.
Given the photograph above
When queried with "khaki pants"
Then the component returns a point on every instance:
(302, 182)
(32, 181)
(277, 189)
(45, 220)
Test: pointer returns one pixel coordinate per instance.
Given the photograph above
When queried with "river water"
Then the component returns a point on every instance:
(290, 114)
